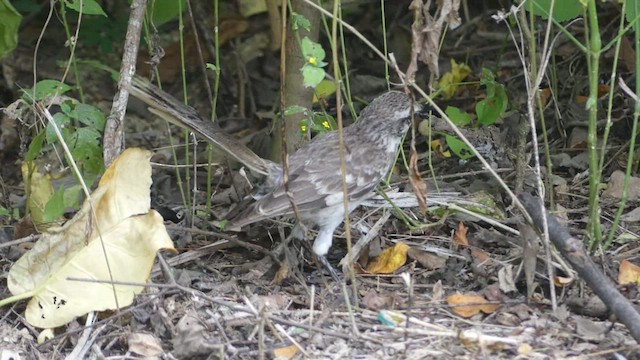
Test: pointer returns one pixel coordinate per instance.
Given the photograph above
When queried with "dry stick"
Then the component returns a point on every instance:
(573, 250)
(114, 128)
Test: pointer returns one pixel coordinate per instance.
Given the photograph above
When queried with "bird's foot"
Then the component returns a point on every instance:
(334, 274)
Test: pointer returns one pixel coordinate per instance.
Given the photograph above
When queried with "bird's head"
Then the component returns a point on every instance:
(389, 112)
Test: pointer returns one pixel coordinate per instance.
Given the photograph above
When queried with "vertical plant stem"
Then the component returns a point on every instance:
(632, 141)
(594, 46)
(607, 128)
(214, 99)
(187, 173)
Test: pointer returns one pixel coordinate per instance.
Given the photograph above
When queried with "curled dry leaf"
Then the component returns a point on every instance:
(628, 273)
(114, 237)
(469, 305)
(144, 344)
(460, 235)
(390, 260)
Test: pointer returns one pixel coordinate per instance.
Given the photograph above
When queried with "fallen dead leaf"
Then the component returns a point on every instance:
(460, 235)
(114, 237)
(145, 344)
(562, 281)
(428, 260)
(450, 81)
(287, 352)
(469, 305)
(628, 273)
(390, 260)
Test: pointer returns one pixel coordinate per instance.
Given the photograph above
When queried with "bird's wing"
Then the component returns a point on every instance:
(315, 178)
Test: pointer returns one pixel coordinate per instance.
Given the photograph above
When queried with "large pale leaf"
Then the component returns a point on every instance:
(115, 225)
(123, 192)
(131, 248)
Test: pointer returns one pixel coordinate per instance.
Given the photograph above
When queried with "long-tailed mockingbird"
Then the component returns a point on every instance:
(315, 180)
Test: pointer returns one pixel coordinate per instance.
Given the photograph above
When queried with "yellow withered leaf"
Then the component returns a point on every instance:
(390, 260)
(114, 226)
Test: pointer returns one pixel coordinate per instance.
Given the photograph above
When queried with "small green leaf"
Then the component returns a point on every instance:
(325, 89)
(458, 116)
(323, 123)
(54, 209)
(9, 26)
(632, 12)
(294, 109)
(494, 105)
(311, 49)
(4, 212)
(212, 67)
(458, 147)
(163, 11)
(89, 115)
(89, 7)
(45, 89)
(72, 195)
(299, 21)
(35, 147)
(62, 121)
(562, 9)
(312, 75)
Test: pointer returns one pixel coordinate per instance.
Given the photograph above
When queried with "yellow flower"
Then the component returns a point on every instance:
(312, 60)
(303, 128)
(326, 124)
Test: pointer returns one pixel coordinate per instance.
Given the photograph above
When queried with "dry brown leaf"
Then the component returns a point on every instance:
(460, 235)
(287, 352)
(628, 273)
(459, 305)
(427, 260)
(144, 344)
(390, 260)
(480, 256)
(426, 31)
(561, 281)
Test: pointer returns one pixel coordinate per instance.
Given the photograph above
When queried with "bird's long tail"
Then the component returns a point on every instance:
(172, 110)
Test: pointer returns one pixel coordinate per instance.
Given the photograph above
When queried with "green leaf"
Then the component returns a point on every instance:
(323, 123)
(72, 195)
(325, 89)
(457, 116)
(86, 150)
(89, 7)
(294, 109)
(9, 26)
(458, 147)
(312, 75)
(562, 9)
(212, 67)
(4, 212)
(632, 12)
(163, 11)
(62, 121)
(35, 147)
(89, 115)
(54, 209)
(299, 21)
(494, 105)
(312, 51)
(45, 89)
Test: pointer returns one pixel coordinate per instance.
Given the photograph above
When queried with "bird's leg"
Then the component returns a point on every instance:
(334, 274)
